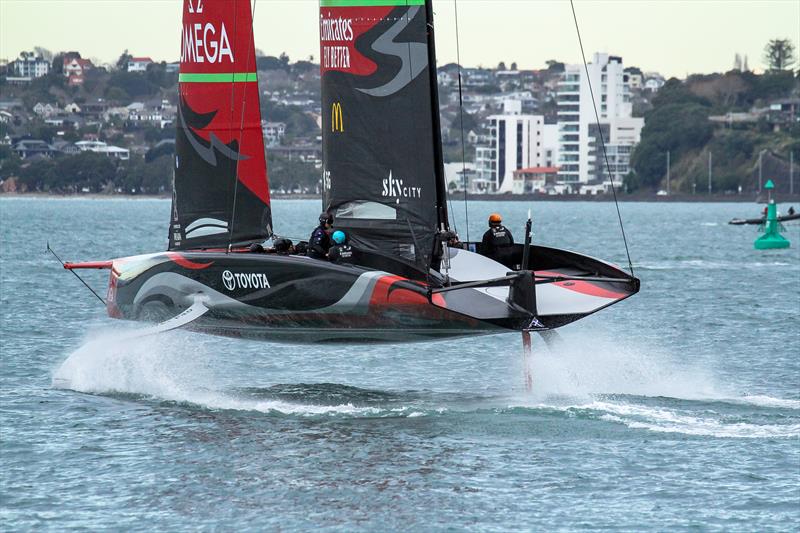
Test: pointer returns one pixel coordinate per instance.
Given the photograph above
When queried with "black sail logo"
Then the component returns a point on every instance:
(337, 118)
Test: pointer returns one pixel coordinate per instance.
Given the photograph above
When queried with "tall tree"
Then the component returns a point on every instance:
(45, 54)
(779, 54)
(122, 62)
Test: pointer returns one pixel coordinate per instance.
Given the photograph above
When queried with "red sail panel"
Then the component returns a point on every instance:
(219, 138)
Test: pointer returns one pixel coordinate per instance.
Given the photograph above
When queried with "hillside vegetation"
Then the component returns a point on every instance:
(679, 123)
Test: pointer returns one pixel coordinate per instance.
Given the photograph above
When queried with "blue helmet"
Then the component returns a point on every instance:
(338, 237)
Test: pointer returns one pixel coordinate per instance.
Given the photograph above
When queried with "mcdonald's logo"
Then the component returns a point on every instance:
(337, 117)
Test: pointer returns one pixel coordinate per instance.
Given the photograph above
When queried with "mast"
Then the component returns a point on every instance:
(441, 186)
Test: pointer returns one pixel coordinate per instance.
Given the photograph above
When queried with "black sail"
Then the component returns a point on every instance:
(383, 175)
(221, 192)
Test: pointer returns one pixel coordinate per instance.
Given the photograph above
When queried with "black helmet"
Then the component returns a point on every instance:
(326, 218)
(283, 245)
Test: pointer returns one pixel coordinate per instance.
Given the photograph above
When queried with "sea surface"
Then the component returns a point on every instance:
(676, 410)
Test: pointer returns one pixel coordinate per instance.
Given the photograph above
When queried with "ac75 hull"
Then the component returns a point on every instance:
(298, 299)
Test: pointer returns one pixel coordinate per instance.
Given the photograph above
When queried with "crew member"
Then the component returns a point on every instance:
(497, 241)
(301, 248)
(341, 251)
(320, 241)
(283, 246)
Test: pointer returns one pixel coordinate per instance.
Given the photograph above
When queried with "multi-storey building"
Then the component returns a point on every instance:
(515, 141)
(581, 159)
(29, 65)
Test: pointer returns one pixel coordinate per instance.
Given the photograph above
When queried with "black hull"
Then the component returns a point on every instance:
(301, 300)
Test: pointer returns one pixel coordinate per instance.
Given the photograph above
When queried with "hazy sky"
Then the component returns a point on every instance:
(674, 37)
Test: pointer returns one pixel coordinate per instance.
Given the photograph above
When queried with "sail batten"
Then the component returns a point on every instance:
(381, 146)
(220, 164)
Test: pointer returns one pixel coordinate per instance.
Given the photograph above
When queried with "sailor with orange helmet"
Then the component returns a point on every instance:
(497, 241)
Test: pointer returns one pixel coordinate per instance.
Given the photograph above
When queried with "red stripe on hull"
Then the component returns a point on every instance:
(583, 287)
(178, 259)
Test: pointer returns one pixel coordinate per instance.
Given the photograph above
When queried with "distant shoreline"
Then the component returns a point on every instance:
(458, 197)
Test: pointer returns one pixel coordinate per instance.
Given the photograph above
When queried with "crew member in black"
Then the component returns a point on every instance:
(497, 241)
(320, 241)
(341, 251)
(283, 246)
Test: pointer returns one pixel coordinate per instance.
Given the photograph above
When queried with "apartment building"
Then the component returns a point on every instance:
(581, 159)
(515, 141)
(29, 65)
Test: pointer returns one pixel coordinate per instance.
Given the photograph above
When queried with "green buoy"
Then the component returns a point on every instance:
(772, 238)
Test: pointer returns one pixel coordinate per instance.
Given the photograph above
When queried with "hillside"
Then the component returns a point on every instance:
(730, 119)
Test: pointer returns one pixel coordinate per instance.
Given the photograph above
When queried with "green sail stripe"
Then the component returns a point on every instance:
(217, 77)
(369, 3)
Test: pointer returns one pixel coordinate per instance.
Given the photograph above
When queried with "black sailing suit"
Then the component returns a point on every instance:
(498, 243)
(340, 253)
(319, 243)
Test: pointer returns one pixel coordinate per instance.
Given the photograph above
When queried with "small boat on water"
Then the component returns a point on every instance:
(383, 179)
(762, 220)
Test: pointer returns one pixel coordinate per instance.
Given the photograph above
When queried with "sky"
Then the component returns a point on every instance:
(673, 37)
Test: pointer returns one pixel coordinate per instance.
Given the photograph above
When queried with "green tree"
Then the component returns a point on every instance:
(779, 54)
(268, 63)
(675, 91)
(159, 151)
(284, 59)
(554, 67)
(135, 84)
(157, 175)
(122, 62)
(674, 127)
(118, 95)
(469, 123)
(9, 162)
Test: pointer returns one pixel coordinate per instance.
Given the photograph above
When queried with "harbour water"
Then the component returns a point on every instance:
(678, 409)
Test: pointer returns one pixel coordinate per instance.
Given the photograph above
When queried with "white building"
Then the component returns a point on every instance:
(29, 65)
(273, 132)
(515, 141)
(460, 175)
(102, 148)
(138, 64)
(580, 156)
(653, 81)
(45, 110)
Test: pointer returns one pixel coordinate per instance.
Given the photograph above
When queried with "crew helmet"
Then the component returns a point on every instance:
(326, 218)
(495, 218)
(282, 245)
(339, 237)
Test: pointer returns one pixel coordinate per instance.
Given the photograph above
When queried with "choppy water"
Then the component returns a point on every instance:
(676, 410)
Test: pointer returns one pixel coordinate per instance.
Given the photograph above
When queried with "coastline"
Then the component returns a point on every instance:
(457, 197)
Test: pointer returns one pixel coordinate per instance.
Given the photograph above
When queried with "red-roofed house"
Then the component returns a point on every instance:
(138, 64)
(534, 180)
(75, 69)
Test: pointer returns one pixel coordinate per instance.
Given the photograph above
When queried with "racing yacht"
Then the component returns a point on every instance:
(383, 182)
